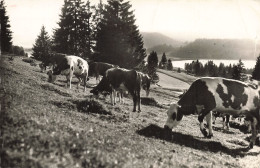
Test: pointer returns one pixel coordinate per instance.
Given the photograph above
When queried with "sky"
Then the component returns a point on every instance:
(183, 20)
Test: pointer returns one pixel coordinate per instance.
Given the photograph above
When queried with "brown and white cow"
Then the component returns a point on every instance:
(99, 68)
(71, 65)
(217, 94)
(119, 79)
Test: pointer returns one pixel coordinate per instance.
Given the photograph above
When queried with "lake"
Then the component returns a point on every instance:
(248, 63)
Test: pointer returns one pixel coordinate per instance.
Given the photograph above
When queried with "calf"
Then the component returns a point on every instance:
(118, 79)
(217, 94)
(69, 66)
(99, 68)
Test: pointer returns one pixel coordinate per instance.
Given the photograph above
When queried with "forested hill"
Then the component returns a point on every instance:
(217, 49)
(152, 39)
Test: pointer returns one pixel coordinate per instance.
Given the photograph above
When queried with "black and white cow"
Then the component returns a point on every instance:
(217, 94)
(99, 68)
(71, 65)
(119, 79)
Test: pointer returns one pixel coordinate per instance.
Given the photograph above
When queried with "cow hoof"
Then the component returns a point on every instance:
(204, 132)
(210, 136)
(139, 111)
(134, 110)
(250, 145)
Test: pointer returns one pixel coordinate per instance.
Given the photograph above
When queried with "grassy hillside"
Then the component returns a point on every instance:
(47, 125)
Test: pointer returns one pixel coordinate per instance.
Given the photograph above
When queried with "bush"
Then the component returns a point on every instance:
(28, 60)
(18, 50)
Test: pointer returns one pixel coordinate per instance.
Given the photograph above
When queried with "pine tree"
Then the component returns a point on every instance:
(118, 39)
(73, 36)
(256, 71)
(5, 33)
(42, 47)
(169, 65)
(238, 70)
(163, 62)
(152, 65)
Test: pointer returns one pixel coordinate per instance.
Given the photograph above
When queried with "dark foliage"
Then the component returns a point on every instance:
(18, 50)
(152, 65)
(256, 71)
(42, 47)
(238, 70)
(118, 38)
(5, 34)
(210, 69)
(74, 35)
(163, 62)
(169, 65)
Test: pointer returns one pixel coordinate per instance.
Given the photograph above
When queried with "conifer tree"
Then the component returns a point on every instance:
(5, 33)
(169, 65)
(152, 65)
(73, 36)
(256, 71)
(118, 38)
(42, 47)
(238, 70)
(163, 62)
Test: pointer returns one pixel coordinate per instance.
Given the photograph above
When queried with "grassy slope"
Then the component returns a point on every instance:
(42, 127)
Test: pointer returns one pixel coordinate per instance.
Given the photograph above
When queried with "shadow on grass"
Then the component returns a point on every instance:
(220, 129)
(154, 131)
(242, 127)
(52, 88)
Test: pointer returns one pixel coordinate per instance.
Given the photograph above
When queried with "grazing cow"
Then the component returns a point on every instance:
(43, 67)
(118, 79)
(69, 66)
(217, 94)
(99, 68)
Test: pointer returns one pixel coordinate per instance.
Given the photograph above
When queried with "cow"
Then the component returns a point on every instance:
(71, 65)
(226, 96)
(119, 79)
(99, 68)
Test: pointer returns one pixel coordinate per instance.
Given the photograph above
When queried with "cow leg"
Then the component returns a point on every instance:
(134, 100)
(200, 118)
(209, 122)
(85, 78)
(112, 96)
(78, 83)
(139, 101)
(97, 78)
(254, 132)
(122, 98)
(223, 122)
(227, 121)
(68, 81)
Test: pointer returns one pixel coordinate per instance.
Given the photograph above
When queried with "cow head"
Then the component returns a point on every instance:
(146, 82)
(175, 115)
(80, 64)
(102, 87)
(51, 77)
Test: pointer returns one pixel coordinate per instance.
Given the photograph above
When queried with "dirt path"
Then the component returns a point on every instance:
(172, 83)
(46, 125)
